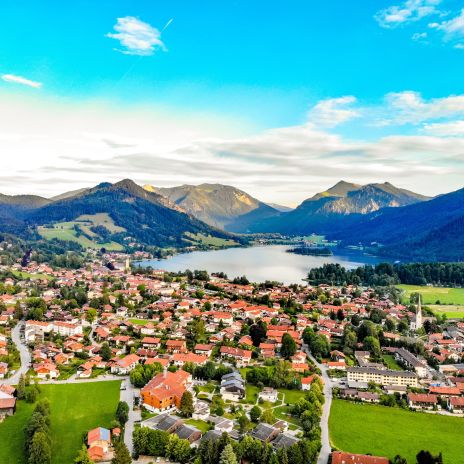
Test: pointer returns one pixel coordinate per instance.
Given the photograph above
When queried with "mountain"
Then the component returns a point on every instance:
(219, 205)
(433, 229)
(23, 201)
(338, 207)
(280, 208)
(66, 195)
(146, 217)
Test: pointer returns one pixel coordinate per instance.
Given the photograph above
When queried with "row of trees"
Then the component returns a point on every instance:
(37, 440)
(386, 274)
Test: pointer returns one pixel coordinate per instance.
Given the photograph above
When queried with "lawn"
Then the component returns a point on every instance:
(391, 363)
(142, 321)
(384, 431)
(28, 275)
(292, 396)
(75, 409)
(199, 424)
(12, 434)
(451, 312)
(433, 295)
(251, 393)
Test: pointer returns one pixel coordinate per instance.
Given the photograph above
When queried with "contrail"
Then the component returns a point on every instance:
(167, 24)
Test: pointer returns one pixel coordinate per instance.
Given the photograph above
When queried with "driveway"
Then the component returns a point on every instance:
(325, 438)
(127, 395)
(24, 353)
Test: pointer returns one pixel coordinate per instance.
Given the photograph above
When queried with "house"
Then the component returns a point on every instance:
(339, 457)
(268, 394)
(203, 349)
(165, 390)
(46, 370)
(456, 404)
(242, 357)
(7, 404)
(164, 422)
(382, 376)
(284, 441)
(125, 365)
(176, 346)
(3, 370)
(180, 359)
(99, 443)
(265, 432)
(188, 432)
(232, 387)
(422, 401)
(306, 382)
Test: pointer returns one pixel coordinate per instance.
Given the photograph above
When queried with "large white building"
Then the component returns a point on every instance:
(382, 376)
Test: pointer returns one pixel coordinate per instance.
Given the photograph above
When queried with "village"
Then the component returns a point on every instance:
(199, 356)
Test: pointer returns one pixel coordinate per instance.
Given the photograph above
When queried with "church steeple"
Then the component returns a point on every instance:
(419, 322)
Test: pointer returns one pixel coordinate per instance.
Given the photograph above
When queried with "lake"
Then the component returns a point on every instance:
(258, 263)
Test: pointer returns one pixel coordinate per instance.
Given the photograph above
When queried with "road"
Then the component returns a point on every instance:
(326, 449)
(24, 353)
(127, 395)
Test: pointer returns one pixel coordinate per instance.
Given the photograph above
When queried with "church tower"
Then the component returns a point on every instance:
(419, 322)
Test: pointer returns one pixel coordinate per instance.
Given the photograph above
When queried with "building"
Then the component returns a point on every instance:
(241, 357)
(232, 387)
(265, 432)
(125, 365)
(382, 376)
(7, 404)
(411, 362)
(165, 390)
(422, 401)
(417, 321)
(339, 457)
(99, 443)
(268, 394)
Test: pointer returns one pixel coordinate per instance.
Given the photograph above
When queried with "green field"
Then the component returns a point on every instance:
(430, 295)
(28, 275)
(391, 363)
(75, 409)
(384, 431)
(66, 231)
(209, 240)
(451, 311)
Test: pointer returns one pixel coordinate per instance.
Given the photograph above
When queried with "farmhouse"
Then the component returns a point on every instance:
(339, 457)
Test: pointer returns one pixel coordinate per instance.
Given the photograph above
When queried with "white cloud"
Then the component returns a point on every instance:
(453, 28)
(445, 129)
(52, 147)
(137, 37)
(459, 46)
(419, 37)
(409, 107)
(21, 80)
(333, 111)
(409, 11)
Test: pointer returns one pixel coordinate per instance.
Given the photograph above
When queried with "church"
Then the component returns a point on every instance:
(417, 322)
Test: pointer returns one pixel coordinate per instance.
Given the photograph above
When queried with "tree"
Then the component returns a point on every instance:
(244, 423)
(83, 457)
(105, 352)
(121, 454)
(186, 404)
(288, 348)
(258, 332)
(268, 417)
(255, 413)
(426, 457)
(372, 344)
(399, 460)
(122, 412)
(91, 315)
(228, 456)
(21, 389)
(40, 451)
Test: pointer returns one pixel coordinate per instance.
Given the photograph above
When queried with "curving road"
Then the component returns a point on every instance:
(326, 449)
(24, 353)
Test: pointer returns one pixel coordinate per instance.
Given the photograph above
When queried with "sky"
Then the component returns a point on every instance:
(280, 99)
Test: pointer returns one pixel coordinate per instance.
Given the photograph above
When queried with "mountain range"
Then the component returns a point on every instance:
(395, 222)
(218, 205)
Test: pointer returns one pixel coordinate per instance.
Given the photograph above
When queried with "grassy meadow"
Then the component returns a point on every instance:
(384, 431)
(75, 409)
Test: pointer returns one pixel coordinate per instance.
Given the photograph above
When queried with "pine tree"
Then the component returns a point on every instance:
(186, 404)
(228, 456)
(83, 457)
(121, 454)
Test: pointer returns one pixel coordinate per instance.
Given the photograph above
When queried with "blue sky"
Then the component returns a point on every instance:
(237, 76)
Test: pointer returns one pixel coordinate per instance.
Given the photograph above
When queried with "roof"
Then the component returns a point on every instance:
(284, 441)
(98, 434)
(339, 457)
